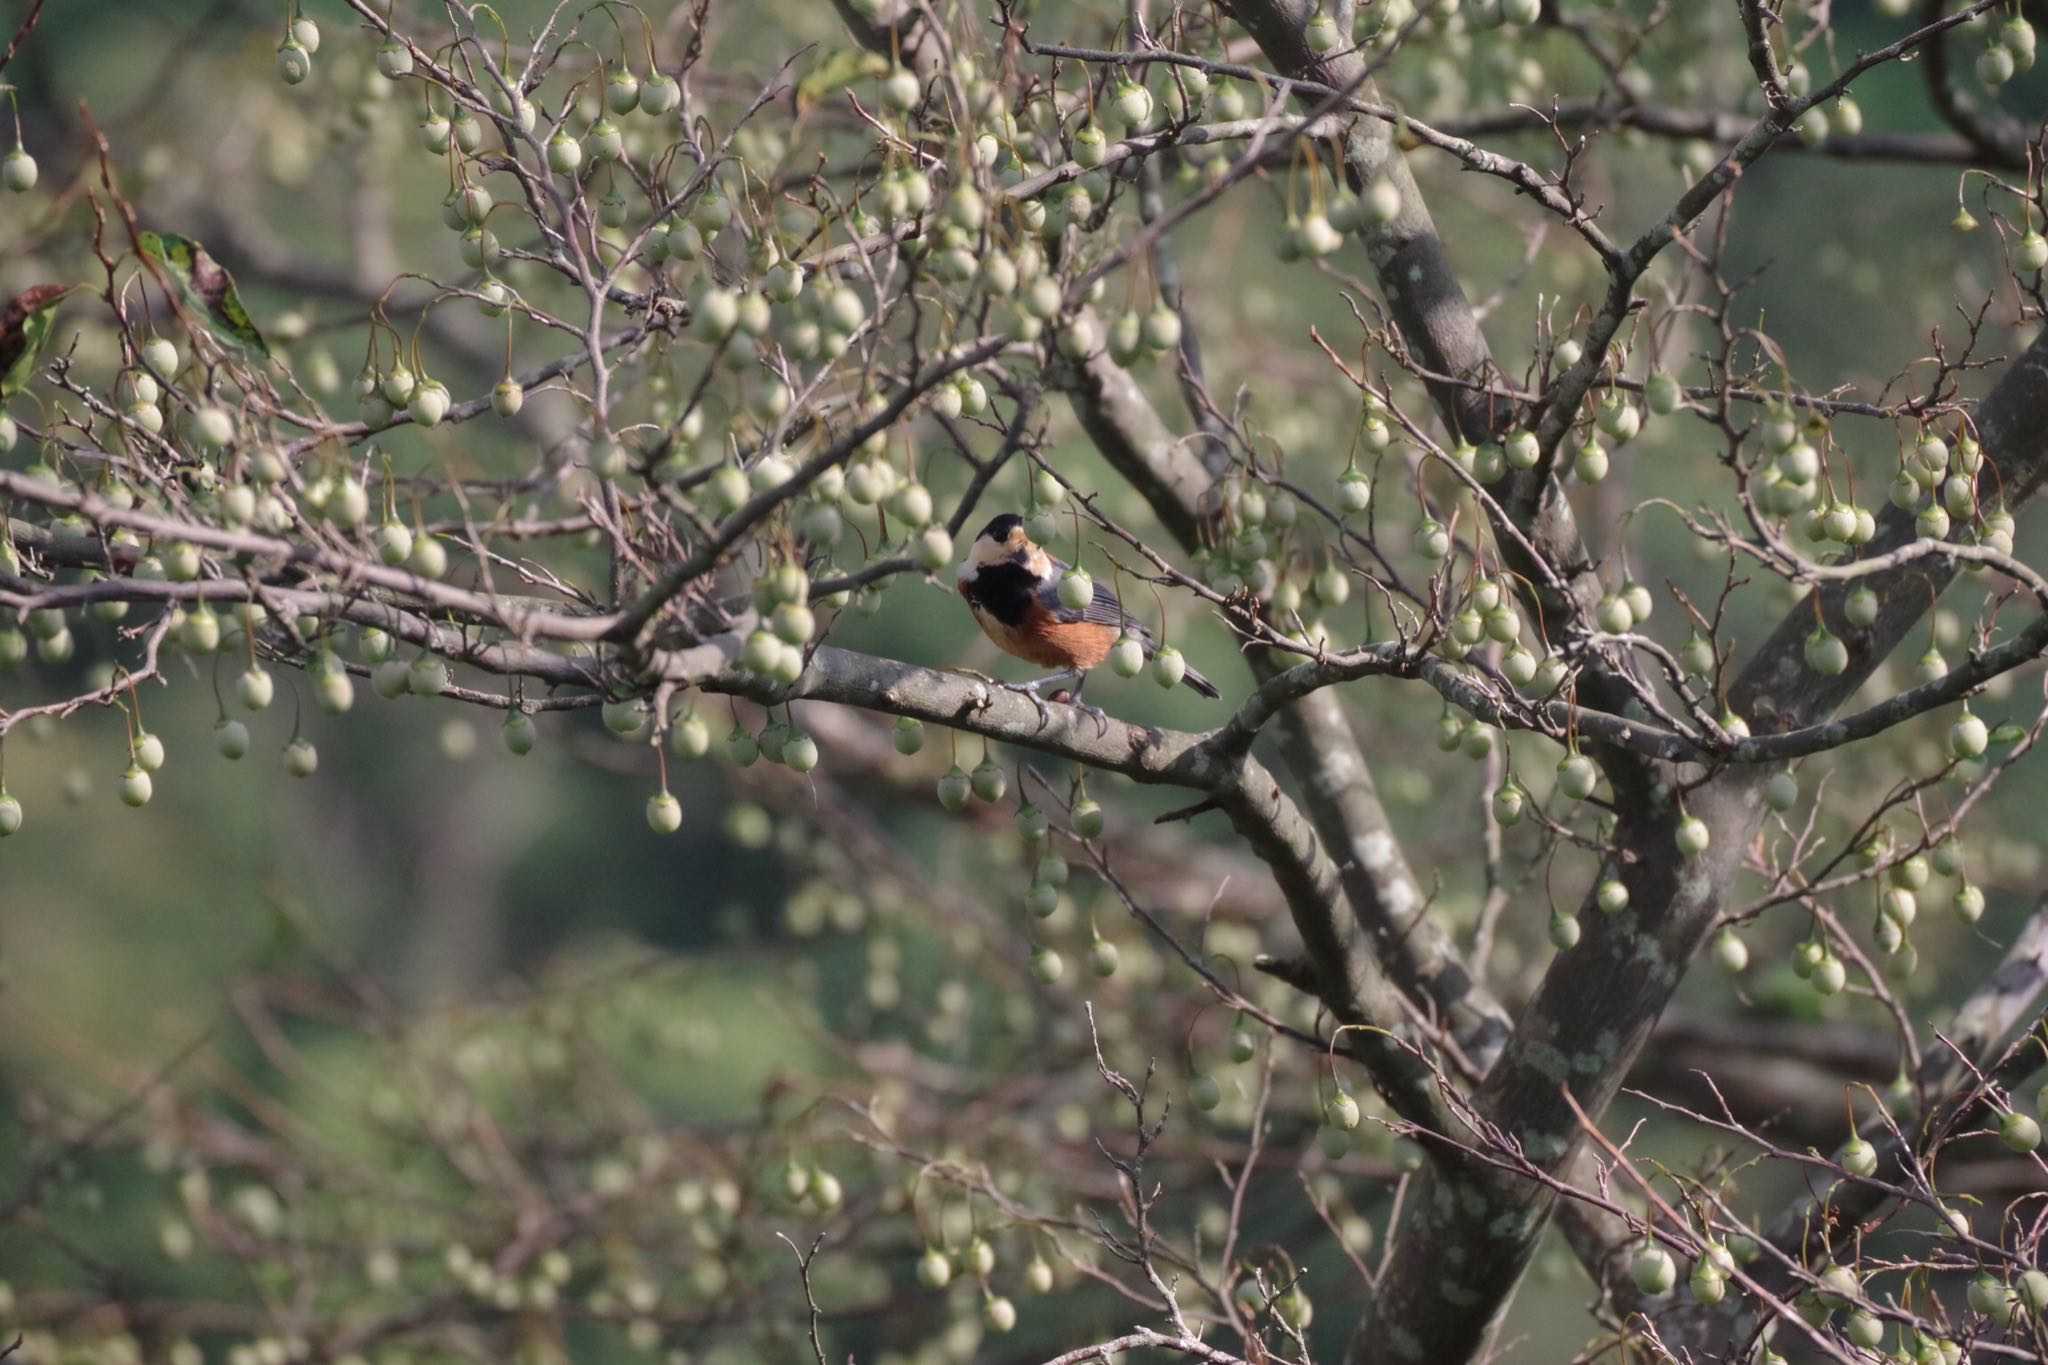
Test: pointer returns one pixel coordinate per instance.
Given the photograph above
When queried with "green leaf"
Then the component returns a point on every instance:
(24, 326)
(206, 287)
(838, 71)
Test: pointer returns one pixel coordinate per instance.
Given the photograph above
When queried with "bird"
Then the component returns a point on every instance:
(1012, 586)
(203, 284)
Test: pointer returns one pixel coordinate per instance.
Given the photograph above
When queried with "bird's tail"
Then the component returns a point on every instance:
(1200, 684)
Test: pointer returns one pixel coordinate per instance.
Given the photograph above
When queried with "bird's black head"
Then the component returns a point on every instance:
(1001, 528)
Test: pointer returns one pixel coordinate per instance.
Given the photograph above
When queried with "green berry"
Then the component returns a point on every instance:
(1086, 818)
(1052, 869)
(741, 747)
(2032, 1290)
(987, 781)
(301, 759)
(519, 733)
(664, 813)
(393, 541)
(622, 92)
(908, 736)
(427, 676)
(1102, 957)
(2019, 1132)
(231, 739)
(1662, 394)
(1577, 776)
(603, 142)
(1989, 1296)
(1127, 656)
(1038, 1275)
(565, 153)
(933, 548)
(1825, 652)
(1969, 903)
(391, 679)
(200, 632)
(294, 64)
(1968, 737)
(1354, 491)
(255, 688)
(1697, 655)
(1612, 615)
(18, 171)
(659, 94)
(1838, 1286)
(1652, 1269)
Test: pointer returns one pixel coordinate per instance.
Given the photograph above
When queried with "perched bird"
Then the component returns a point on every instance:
(1012, 585)
(204, 285)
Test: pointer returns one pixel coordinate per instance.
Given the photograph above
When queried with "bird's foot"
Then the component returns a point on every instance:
(1072, 697)
(1094, 713)
(1030, 690)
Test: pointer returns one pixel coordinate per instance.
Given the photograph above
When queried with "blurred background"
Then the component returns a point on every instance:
(307, 963)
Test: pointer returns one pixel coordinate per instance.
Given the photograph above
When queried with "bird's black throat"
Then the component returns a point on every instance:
(1005, 591)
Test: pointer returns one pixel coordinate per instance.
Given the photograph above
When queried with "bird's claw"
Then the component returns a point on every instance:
(1094, 713)
(1067, 697)
(1031, 690)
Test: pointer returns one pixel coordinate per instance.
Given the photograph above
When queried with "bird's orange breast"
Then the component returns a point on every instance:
(1042, 638)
